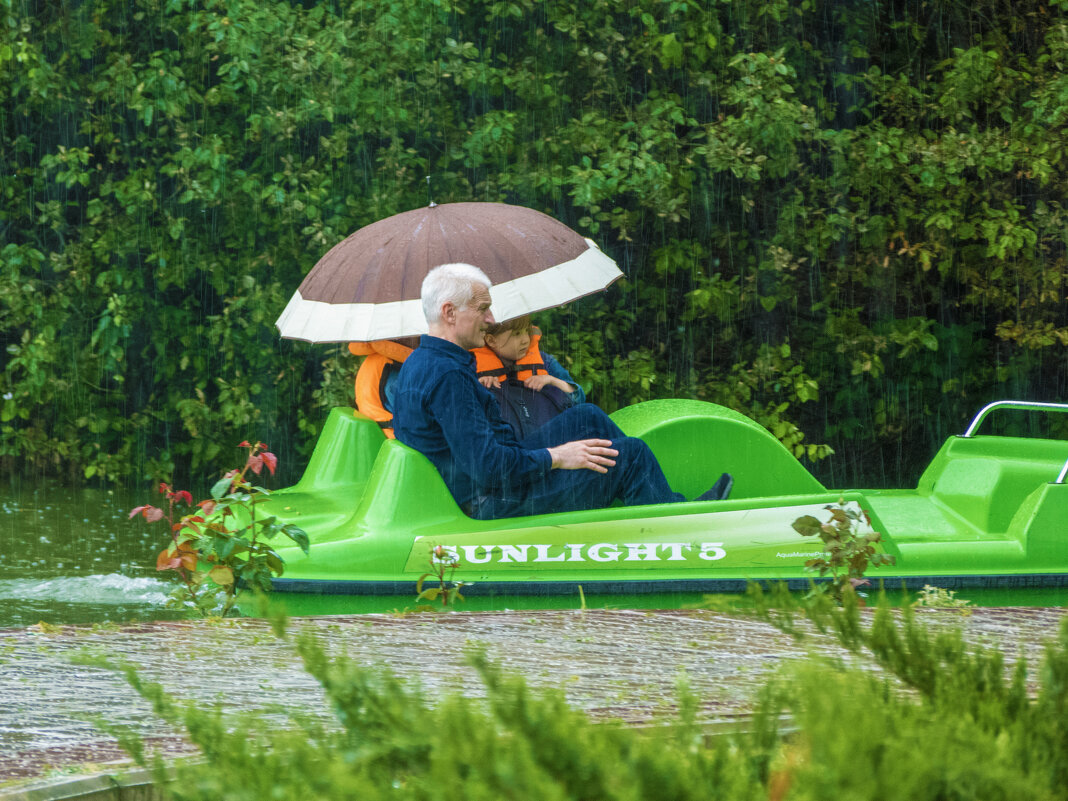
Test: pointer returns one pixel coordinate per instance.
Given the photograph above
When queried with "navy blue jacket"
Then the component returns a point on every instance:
(442, 411)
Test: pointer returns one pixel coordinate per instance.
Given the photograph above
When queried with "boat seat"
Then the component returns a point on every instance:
(984, 479)
(695, 442)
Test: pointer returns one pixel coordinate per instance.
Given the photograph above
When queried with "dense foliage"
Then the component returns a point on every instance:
(968, 728)
(843, 217)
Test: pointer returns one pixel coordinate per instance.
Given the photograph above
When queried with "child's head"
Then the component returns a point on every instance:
(510, 340)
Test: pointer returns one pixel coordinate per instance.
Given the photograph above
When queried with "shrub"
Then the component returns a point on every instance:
(942, 720)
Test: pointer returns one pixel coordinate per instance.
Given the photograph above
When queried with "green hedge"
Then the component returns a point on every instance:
(941, 720)
(842, 217)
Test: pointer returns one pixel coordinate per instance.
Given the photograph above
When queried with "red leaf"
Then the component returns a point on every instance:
(270, 460)
(207, 507)
(188, 555)
(164, 488)
(244, 444)
(184, 496)
(184, 556)
(137, 511)
(167, 561)
(256, 463)
(152, 514)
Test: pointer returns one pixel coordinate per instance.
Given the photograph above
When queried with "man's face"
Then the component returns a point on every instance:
(471, 322)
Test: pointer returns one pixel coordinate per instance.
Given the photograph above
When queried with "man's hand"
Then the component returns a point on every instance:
(584, 454)
(489, 381)
(540, 381)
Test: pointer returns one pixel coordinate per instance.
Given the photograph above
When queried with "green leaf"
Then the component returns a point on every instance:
(298, 535)
(220, 488)
(226, 547)
(221, 575)
(670, 51)
(275, 563)
(807, 526)
(429, 594)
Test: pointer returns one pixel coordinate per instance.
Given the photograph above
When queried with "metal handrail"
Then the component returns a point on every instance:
(1024, 405)
(1063, 475)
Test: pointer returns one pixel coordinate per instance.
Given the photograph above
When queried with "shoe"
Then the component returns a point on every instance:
(718, 491)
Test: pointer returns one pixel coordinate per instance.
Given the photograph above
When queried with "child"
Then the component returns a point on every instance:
(376, 377)
(531, 387)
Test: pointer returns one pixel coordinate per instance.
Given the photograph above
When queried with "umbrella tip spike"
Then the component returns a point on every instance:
(429, 197)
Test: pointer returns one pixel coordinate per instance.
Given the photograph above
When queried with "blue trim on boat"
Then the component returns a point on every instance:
(640, 586)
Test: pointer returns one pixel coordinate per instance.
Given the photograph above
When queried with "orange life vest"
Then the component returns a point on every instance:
(488, 363)
(383, 357)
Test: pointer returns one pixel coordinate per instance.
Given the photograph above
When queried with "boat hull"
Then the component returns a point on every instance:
(986, 513)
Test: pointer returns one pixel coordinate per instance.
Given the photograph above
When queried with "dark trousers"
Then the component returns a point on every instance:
(636, 478)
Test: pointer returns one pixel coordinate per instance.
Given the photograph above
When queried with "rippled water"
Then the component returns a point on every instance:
(74, 556)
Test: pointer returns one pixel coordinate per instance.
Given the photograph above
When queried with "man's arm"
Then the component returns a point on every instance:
(475, 447)
(490, 463)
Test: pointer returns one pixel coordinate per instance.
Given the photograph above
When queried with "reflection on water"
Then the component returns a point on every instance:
(306, 604)
(295, 604)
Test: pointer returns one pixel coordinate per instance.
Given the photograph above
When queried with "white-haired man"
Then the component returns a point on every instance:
(443, 412)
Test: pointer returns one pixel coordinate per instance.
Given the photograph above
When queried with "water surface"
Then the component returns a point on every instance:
(74, 556)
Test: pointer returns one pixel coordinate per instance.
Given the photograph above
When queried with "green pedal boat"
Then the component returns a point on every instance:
(989, 511)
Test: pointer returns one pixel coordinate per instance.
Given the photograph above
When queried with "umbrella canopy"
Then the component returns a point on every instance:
(367, 287)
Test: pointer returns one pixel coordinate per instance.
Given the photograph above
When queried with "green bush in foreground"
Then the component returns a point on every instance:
(943, 720)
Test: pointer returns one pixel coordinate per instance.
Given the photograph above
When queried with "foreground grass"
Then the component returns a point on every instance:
(940, 720)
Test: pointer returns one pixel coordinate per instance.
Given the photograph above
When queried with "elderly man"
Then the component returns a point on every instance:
(443, 412)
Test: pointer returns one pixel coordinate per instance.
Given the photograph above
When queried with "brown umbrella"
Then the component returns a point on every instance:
(367, 287)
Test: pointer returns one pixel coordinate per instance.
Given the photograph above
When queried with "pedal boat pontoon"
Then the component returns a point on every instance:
(989, 511)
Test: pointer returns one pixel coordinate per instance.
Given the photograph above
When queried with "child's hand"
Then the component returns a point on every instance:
(489, 381)
(539, 382)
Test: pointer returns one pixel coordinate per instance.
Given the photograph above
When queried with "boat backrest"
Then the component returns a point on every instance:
(695, 442)
(344, 453)
(405, 490)
(984, 479)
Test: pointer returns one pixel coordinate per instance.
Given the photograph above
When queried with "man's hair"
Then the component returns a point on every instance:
(517, 325)
(450, 283)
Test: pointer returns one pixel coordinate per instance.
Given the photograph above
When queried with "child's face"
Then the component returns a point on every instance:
(509, 345)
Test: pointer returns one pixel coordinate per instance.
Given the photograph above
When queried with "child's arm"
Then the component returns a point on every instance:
(540, 381)
(559, 377)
